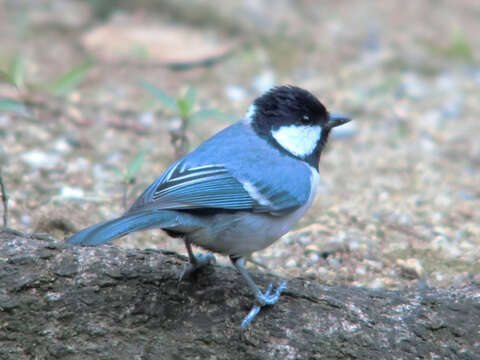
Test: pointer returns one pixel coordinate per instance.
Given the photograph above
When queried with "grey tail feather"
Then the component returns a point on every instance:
(126, 224)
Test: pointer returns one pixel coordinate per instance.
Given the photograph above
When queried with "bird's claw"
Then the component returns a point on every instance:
(201, 261)
(251, 315)
(264, 299)
(270, 299)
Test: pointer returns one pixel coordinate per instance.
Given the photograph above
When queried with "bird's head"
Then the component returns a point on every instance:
(294, 121)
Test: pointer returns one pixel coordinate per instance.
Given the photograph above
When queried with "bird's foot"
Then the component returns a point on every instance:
(264, 299)
(200, 261)
(270, 299)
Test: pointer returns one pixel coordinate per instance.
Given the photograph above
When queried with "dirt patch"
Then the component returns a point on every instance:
(399, 199)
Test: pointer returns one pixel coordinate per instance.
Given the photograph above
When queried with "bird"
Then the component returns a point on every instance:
(240, 190)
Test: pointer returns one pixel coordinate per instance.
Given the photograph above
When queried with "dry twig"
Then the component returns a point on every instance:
(3, 190)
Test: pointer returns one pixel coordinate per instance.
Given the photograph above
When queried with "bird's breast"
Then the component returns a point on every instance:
(242, 233)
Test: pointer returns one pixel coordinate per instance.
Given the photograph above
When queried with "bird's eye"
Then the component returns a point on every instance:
(306, 119)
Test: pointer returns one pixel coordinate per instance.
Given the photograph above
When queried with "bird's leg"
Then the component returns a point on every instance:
(263, 298)
(196, 262)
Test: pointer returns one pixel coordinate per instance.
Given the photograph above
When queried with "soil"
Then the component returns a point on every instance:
(400, 195)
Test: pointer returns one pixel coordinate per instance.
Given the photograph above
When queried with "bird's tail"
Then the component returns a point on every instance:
(112, 229)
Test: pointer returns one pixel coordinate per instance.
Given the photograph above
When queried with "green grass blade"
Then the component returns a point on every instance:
(11, 105)
(166, 100)
(184, 108)
(135, 164)
(190, 98)
(17, 70)
(118, 172)
(69, 81)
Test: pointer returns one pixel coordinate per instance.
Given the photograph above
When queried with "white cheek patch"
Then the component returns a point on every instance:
(250, 114)
(300, 140)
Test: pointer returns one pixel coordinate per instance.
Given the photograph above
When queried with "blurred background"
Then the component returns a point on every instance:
(98, 97)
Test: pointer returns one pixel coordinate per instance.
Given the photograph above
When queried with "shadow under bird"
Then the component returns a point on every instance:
(240, 190)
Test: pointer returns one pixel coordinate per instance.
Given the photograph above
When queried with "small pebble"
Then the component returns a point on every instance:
(62, 146)
(291, 263)
(41, 160)
(377, 283)
(411, 268)
(443, 244)
(71, 192)
(333, 262)
(147, 119)
(25, 219)
(314, 257)
(360, 270)
(413, 86)
(305, 240)
(373, 264)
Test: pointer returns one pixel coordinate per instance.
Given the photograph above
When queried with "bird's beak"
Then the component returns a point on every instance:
(337, 120)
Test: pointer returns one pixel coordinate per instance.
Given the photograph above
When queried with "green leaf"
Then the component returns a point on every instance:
(6, 78)
(118, 171)
(17, 70)
(135, 164)
(13, 106)
(459, 47)
(205, 114)
(183, 107)
(69, 81)
(166, 100)
(190, 98)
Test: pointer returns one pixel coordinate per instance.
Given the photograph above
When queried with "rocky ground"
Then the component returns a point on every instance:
(400, 195)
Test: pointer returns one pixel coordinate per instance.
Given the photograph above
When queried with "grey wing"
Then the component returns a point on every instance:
(211, 186)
